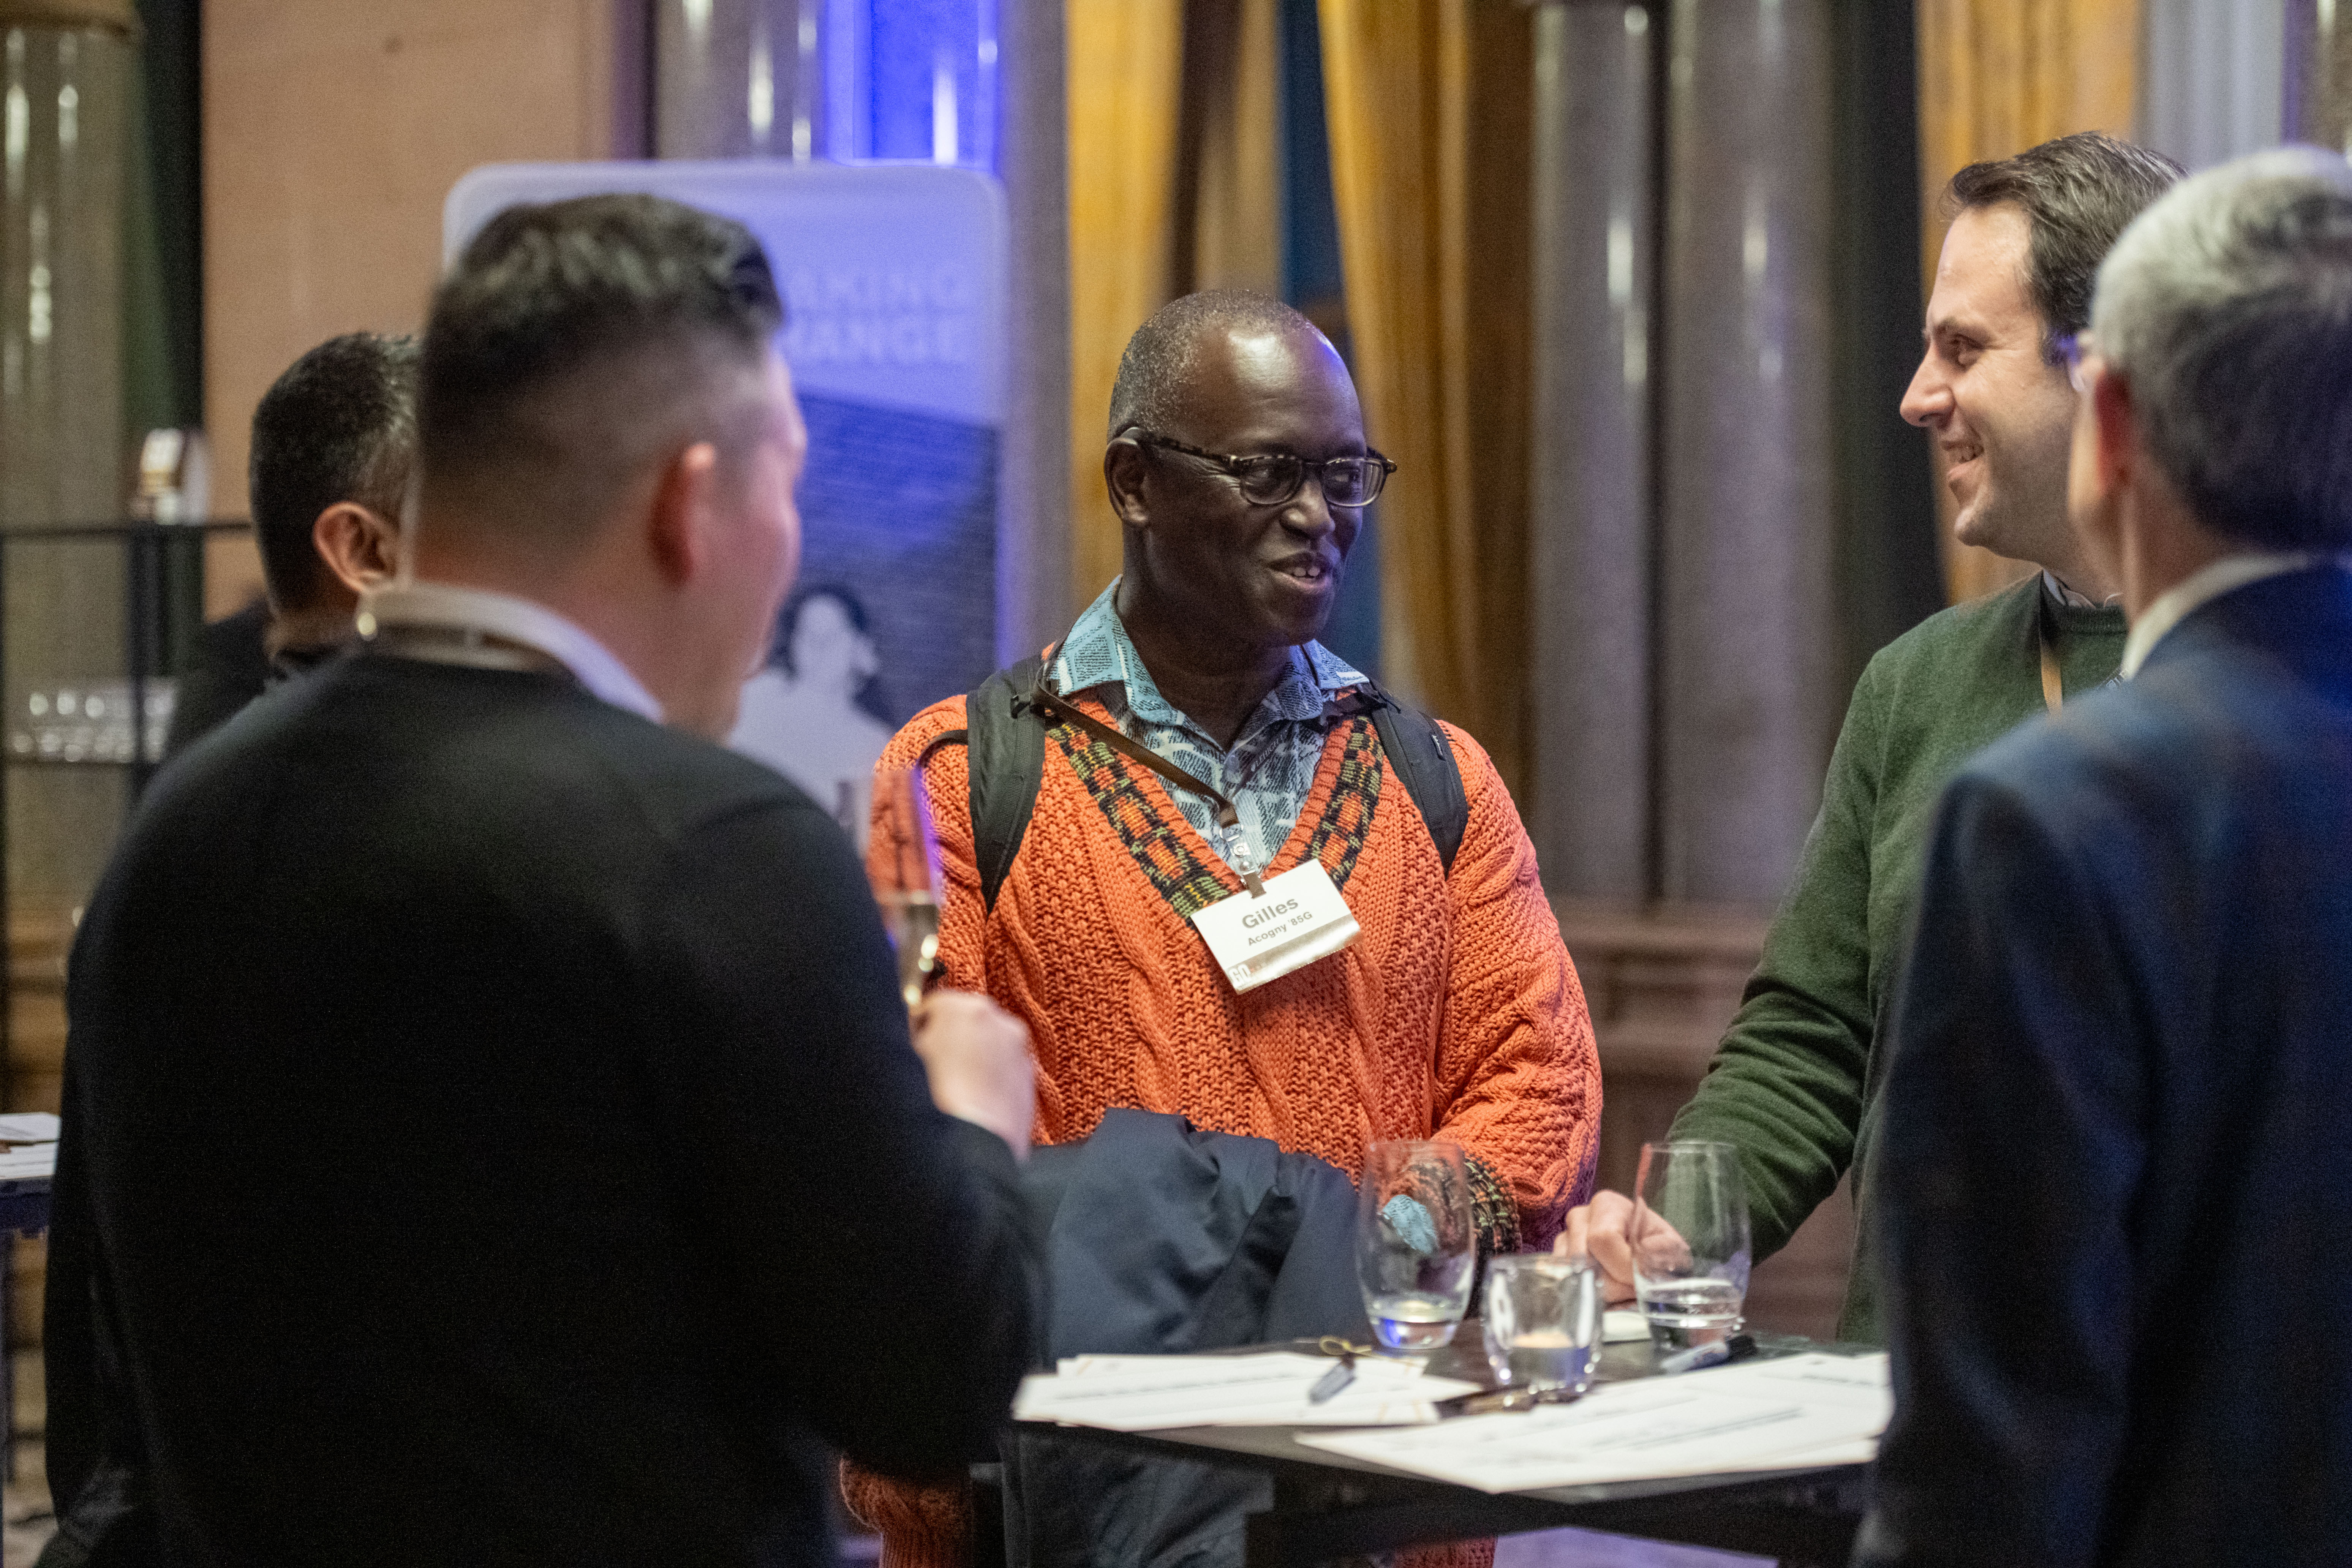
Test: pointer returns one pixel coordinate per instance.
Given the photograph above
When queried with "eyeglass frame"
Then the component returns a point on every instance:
(2070, 350)
(1227, 462)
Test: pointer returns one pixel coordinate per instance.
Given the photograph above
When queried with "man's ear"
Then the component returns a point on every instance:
(684, 524)
(2116, 428)
(360, 545)
(1124, 463)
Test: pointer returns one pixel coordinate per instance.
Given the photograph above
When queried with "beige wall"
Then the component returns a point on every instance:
(333, 129)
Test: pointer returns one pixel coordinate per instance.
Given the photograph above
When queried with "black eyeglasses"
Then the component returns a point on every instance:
(2070, 349)
(1270, 479)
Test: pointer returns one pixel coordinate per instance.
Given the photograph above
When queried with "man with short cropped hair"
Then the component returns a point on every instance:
(1794, 1084)
(489, 1102)
(2117, 1213)
(1192, 743)
(334, 440)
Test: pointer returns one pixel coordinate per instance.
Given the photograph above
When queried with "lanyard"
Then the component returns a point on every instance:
(468, 646)
(2053, 691)
(1229, 817)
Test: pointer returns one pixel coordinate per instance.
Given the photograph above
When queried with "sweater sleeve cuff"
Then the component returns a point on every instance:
(1493, 1211)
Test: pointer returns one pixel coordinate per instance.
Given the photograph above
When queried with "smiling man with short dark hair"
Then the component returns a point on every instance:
(1794, 1084)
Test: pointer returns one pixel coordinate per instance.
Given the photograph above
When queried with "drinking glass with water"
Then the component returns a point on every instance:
(1689, 1234)
(1416, 1246)
(1542, 1321)
(902, 862)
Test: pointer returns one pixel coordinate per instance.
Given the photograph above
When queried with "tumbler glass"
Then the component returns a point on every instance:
(1690, 1242)
(1416, 1244)
(1542, 1321)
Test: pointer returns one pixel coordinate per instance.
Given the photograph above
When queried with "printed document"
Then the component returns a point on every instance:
(1794, 1412)
(1143, 1394)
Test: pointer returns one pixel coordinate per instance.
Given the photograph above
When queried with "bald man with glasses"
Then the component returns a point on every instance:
(1192, 745)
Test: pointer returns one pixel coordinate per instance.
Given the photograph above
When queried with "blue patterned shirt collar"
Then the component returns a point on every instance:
(1098, 653)
(1269, 770)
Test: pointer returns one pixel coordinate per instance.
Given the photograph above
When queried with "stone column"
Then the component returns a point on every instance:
(2210, 87)
(1589, 482)
(1747, 640)
(2319, 107)
(1033, 536)
(64, 77)
(737, 78)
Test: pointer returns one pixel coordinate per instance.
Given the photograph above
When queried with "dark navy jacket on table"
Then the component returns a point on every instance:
(2117, 1173)
(1162, 1238)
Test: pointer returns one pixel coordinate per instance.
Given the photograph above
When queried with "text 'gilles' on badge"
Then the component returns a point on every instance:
(1299, 919)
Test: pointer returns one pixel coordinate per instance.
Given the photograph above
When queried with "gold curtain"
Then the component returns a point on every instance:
(1126, 59)
(1429, 103)
(1229, 165)
(1997, 76)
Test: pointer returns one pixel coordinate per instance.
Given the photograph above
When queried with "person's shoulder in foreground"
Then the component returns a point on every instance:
(562, 1051)
(2117, 1248)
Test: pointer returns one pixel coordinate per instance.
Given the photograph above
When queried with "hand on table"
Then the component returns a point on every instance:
(976, 1056)
(1603, 1230)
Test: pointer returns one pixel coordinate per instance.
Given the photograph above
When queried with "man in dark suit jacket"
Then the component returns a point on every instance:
(2114, 1179)
(491, 1111)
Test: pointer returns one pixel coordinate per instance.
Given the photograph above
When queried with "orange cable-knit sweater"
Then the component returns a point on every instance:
(1456, 1013)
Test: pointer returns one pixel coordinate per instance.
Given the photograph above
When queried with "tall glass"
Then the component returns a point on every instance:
(1542, 1321)
(1689, 1234)
(1416, 1244)
(902, 862)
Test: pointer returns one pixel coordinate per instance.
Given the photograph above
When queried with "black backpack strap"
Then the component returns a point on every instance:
(1424, 762)
(1006, 738)
(1007, 742)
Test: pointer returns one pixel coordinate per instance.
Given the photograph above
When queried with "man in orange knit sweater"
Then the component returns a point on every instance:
(1238, 468)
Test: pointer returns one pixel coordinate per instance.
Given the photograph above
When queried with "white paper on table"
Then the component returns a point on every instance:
(36, 1160)
(1857, 1381)
(1143, 1394)
(28, 1127)
(1773, 1415)
(1622, 1323)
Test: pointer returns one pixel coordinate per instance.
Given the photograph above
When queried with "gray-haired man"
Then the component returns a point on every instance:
(2117, 1213)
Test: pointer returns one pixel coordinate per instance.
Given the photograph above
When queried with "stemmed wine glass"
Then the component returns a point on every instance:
(902, 862)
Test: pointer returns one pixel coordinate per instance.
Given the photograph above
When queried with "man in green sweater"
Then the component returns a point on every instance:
(1794, 1084)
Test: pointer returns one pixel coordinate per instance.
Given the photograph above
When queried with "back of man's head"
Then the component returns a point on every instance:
(2227, 309)
(1149, 395)
(339, 426)
(2078, 193)
(572, 345)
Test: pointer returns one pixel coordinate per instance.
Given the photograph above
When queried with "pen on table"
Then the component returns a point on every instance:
(1332, 1382)
(1739, 1347)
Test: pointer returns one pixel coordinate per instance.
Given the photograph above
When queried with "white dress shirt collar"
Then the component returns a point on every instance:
(2177, 603)
(517, 620)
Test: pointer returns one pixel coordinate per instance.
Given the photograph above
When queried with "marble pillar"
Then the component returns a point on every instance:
(2211, 85)
(2319, 107)
(65, 77)
(1590, 480)
(1748, 639)
(1033, 536)
(738, 78)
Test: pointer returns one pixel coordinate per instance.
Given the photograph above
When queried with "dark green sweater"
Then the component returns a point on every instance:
(1795, 1083)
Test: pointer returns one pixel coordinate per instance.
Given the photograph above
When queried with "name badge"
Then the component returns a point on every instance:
(1299, 919)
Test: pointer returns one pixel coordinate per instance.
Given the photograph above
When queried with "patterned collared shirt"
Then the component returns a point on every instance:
(1271, 767)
